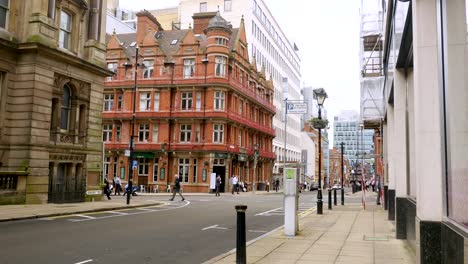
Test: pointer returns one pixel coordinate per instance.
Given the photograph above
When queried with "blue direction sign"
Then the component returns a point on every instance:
(134, 165)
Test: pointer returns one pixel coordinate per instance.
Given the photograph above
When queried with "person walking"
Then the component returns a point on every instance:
(118, 185)
(235, 184)
(277, 185)
(267, 185)
(176, 188)
(107, 188)
(218, 185)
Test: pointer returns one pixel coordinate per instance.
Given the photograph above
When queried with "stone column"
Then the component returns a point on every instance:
(428, 109)
(390, 162)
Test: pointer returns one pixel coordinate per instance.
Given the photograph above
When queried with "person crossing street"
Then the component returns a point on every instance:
(176, 188)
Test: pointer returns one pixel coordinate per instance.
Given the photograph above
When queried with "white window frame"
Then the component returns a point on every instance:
(184, 169)
(106, 167)
(107, 132)
(198, 101)
(65, 32)
(148, 69)
(143, 166)
(108, 102)
(189, 68)
(185, 133)
(186, 100)
(220, 66)
(143, 132)
(157, 96)
(112, 66)
(219, 100)
(218, 133)
(145, 101)
(197, 133)
(155, 132)
(221, 41)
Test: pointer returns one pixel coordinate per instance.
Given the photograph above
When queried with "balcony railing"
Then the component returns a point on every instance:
(8, 182)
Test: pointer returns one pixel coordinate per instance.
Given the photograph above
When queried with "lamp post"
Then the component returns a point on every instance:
(132, 138)
(342, 172)
(255, 167)
(320, 95)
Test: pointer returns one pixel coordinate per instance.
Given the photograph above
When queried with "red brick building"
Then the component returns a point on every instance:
(201, 106)
(335, 167)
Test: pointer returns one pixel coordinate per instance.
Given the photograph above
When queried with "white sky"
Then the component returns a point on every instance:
(327, 34)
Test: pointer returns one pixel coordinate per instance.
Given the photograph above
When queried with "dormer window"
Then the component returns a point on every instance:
(221, 41)
(148, 68)
(65, 30)
(189, 68)
(4, 13)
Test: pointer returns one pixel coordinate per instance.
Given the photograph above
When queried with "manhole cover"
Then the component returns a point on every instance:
(369, 238)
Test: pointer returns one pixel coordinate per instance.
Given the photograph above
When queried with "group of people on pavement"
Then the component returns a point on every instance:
(235, 184)
(116, 186)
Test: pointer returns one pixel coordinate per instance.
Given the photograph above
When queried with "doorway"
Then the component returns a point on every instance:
(221, 171)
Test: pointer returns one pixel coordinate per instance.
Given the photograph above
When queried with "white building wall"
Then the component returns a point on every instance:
(271, 48)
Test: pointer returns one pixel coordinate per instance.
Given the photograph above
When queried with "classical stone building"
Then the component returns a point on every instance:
(52, 69)
(200, 108)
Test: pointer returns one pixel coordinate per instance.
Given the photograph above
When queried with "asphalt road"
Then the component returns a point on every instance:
(180, 232)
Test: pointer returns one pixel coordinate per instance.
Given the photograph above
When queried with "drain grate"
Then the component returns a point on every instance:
(369, 238)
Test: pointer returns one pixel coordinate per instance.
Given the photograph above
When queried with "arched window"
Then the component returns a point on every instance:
(65, 108)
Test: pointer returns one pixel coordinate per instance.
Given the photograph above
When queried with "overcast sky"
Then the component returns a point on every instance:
(327, 34)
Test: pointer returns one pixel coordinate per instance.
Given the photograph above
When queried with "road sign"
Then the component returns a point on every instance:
(127, 153)
(297, 108)
(134, 165)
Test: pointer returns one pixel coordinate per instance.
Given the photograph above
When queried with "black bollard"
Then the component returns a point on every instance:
(329, 199)
(241, 255)
(342, 195)
(334, 197)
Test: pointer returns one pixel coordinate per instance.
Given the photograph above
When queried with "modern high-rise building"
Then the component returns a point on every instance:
(358, 143)
(270, 47)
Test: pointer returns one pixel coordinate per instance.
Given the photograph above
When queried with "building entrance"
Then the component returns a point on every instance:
(221, 171)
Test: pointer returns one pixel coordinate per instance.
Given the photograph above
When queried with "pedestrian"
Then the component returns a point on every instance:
(277, 185)
(234, 184)
(267, 185)
(118, 185)
(218, 185)
(107, 188)
(176, 188)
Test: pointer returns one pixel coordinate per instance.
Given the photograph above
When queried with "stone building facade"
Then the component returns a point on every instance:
(52, 69)
(200, 108)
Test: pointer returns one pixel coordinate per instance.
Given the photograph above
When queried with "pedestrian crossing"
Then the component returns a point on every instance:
(303, 208)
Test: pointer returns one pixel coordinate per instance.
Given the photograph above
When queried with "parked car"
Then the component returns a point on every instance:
(313, 187)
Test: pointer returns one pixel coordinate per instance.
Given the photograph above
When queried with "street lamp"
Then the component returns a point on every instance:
(320, 95)
(132, 163)
(256, 153)
(342, 171)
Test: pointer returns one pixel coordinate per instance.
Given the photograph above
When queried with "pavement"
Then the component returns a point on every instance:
(346, 234)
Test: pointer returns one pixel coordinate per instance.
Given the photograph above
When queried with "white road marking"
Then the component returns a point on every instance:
(145, 209)
(257, 231)
(86, 216)
(141, 212)
(116, 212)
(214, 227)
(272, 210)
(86, 261)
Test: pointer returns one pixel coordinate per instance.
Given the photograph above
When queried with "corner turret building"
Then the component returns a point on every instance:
(202, 107)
